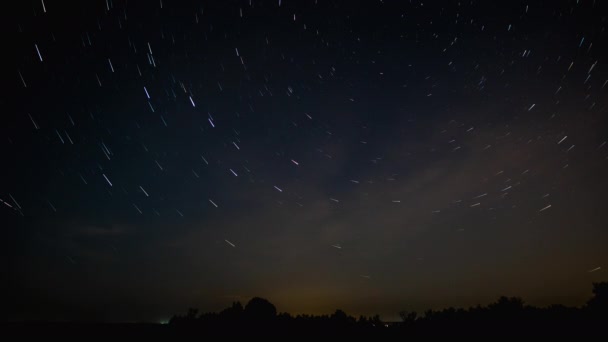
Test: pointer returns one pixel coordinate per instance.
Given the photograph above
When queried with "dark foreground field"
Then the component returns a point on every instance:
(505, 317)
(449, 328)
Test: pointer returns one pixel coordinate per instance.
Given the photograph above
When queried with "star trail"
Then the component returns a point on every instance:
(367, 155)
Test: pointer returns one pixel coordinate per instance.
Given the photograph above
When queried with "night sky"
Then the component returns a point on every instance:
(370, 156)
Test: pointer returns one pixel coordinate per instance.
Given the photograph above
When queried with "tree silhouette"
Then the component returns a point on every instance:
(599, 301)
(339, 315)
(192, 312)
(341, 319)
(233, 312)
(508, 316)
(408, 317)
(260, 309)
(507, 305)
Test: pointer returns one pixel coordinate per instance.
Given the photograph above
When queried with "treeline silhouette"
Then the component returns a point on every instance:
(508, 316)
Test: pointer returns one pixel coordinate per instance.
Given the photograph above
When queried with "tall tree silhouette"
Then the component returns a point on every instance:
(234, 312)
(260, 309)
(599, 302)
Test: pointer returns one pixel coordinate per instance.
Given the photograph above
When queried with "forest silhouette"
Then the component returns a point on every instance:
(508, 316)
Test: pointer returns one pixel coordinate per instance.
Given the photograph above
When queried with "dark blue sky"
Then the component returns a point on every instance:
(372, 157)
